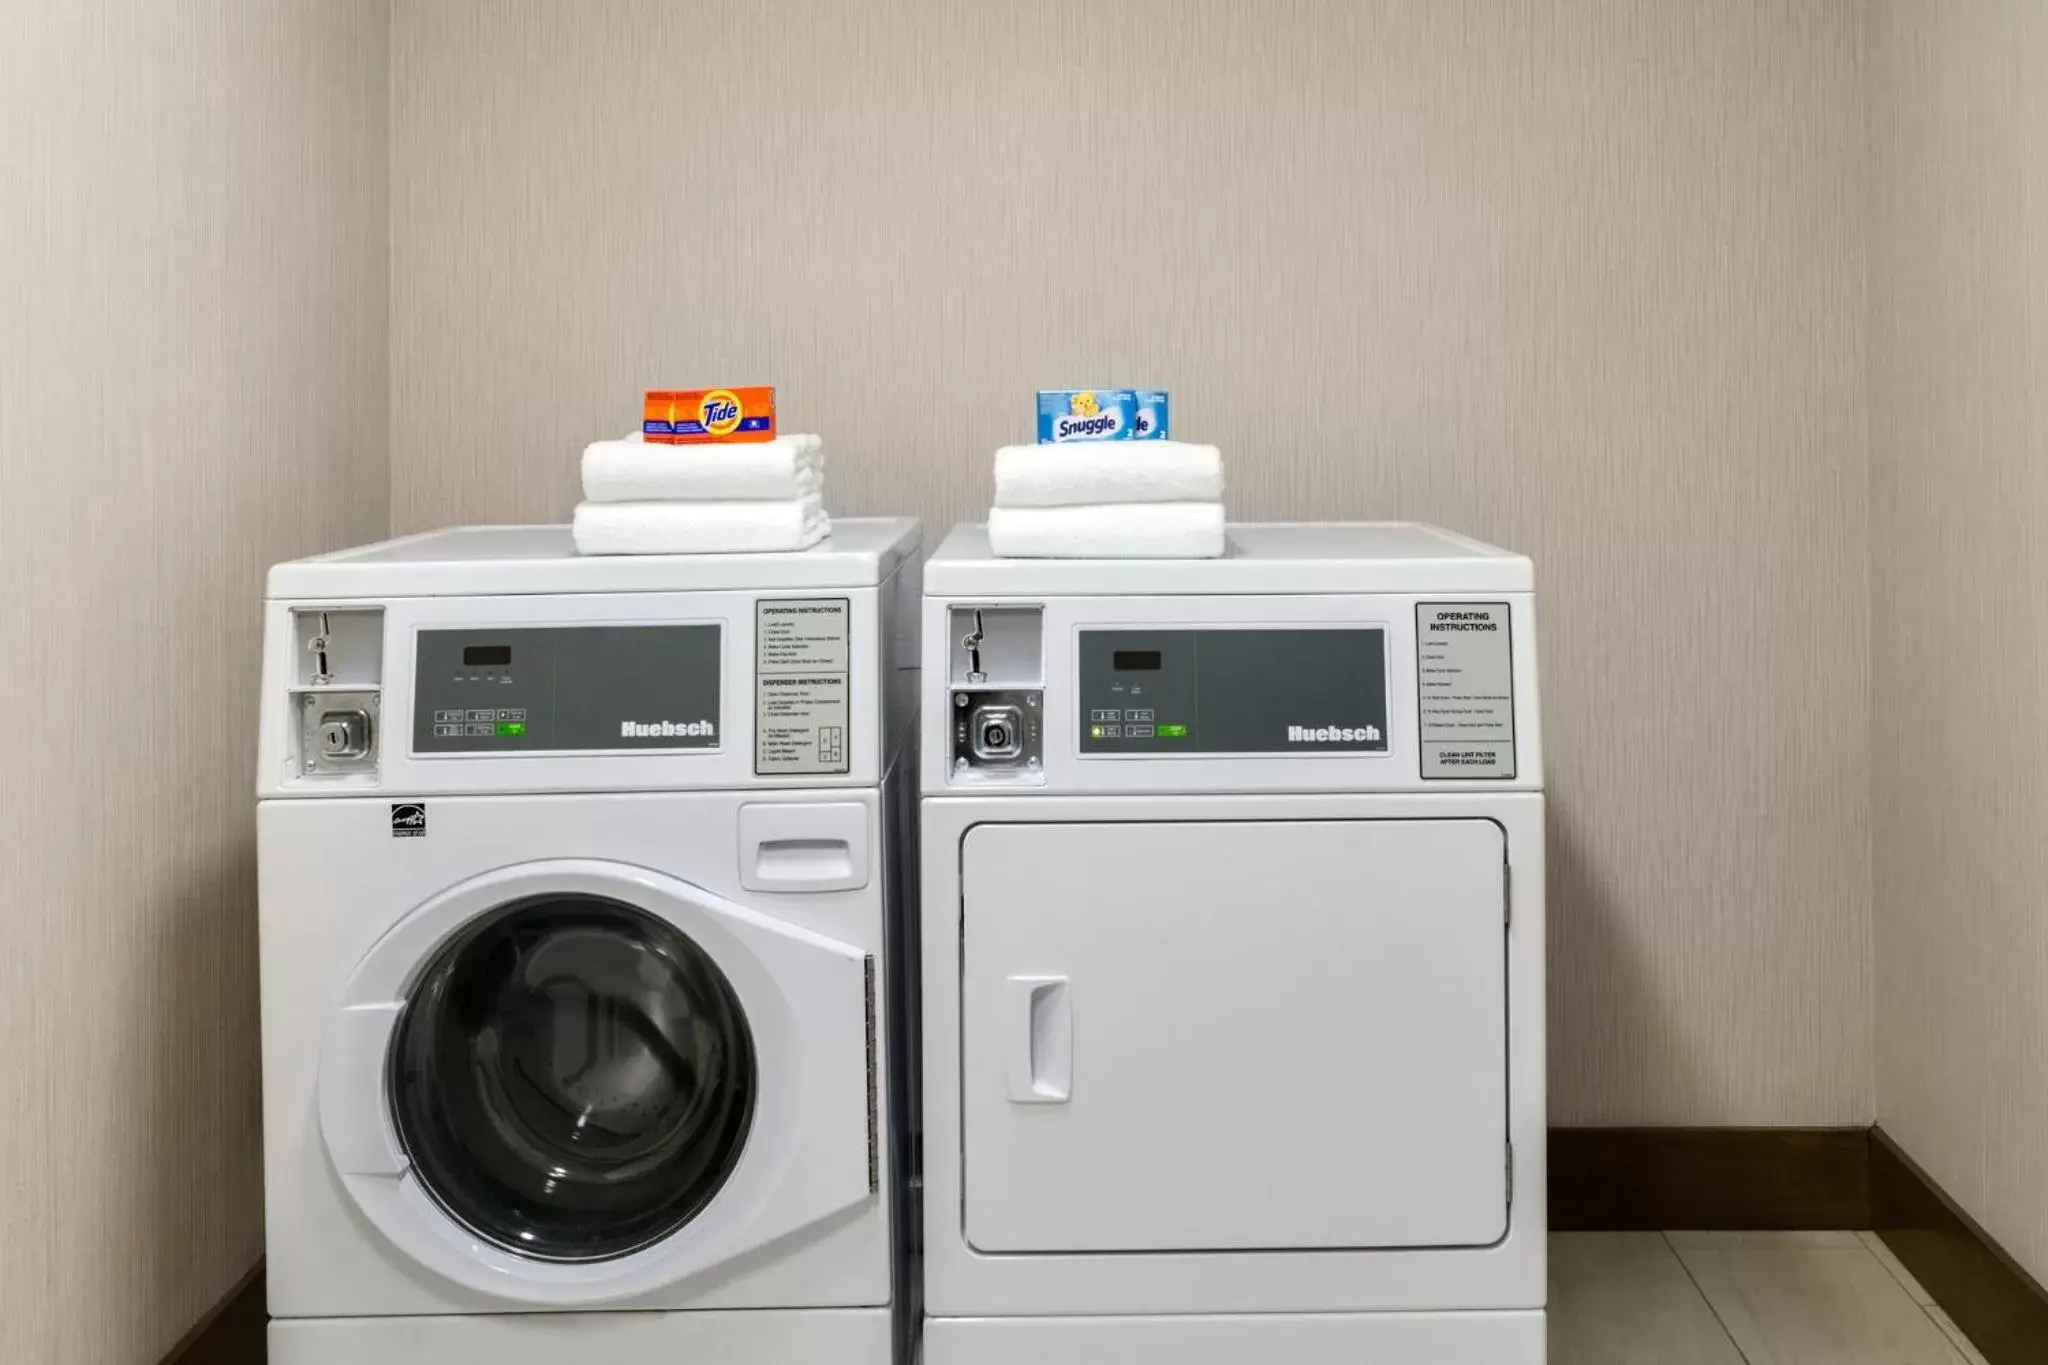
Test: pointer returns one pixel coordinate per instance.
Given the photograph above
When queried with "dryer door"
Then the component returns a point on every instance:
(1234, 1036)
(571, 1082)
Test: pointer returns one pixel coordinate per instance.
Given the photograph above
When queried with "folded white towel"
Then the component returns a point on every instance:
(1149, 530)
(696, 528)
(644, 471)
(1107, 472)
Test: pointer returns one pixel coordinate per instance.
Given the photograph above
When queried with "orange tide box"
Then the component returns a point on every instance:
(686, 417)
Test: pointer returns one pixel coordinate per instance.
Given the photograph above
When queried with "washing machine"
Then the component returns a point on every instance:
(582, 938)
(1233, 954)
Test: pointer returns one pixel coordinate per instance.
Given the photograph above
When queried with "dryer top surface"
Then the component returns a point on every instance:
(1261, 558)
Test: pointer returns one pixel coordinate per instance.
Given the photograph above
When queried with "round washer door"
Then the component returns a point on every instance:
(575, 1082)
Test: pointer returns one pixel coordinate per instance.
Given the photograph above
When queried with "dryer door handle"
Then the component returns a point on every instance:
(1042, 1042)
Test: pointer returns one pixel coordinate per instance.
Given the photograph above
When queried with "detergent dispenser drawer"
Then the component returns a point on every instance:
(1211, 1036)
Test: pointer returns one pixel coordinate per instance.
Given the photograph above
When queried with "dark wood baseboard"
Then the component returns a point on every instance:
(1647, 1180)
(1708, 1179)
(2001, 1308)
(1745, 1179)
(233, 1333)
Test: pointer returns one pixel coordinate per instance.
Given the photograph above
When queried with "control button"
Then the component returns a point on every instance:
(1145, 715)
(482, 715)
(1137, 732)
(442, 717)
(513, 715)
(483, 729)
(1112, 732)
(448, 731)
(1107, 715)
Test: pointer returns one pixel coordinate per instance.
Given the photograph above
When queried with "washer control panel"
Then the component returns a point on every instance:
(567, 689)
(1224, 690)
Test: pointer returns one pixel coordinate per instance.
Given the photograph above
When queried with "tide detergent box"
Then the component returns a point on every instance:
(680, 417)
(1086, 415)
(1149, 423)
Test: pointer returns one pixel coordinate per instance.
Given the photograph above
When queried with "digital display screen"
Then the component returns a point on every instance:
(1135, 661)
(486, 656)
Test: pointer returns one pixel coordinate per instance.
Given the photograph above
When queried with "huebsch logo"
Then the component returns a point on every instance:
(666, 729)
(1333, 734)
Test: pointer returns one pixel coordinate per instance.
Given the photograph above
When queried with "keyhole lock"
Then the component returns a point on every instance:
(344, 734)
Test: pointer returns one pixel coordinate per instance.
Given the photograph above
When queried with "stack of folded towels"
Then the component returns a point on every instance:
(1108, 500)
(643, 498)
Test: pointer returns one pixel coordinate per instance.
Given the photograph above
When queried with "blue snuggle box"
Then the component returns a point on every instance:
(1086, 415)
(1150, 422)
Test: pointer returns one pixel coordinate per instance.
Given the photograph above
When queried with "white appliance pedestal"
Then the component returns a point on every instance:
(850, 1336)
(1271, 1338)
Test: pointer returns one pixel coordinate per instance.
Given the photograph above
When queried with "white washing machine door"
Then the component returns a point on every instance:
(575, 1082)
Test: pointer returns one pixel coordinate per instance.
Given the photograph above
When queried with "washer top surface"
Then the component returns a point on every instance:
(1262, 558)
(487, 561)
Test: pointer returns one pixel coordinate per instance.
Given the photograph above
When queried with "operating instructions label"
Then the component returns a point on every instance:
(801, 702)
(1465, 684)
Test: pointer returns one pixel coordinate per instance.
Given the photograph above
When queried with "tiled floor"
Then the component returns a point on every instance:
(1741, 1298)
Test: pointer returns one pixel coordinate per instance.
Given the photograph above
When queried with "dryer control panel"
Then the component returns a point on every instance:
(1233, 690)
(1331, 692)
(1367, 657)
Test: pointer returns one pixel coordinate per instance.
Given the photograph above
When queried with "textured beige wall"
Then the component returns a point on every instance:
(1959, 344)
(193, 303)
(1584, 277)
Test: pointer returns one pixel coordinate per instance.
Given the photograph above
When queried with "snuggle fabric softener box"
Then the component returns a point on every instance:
(1086, 415)
(1149, 423)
